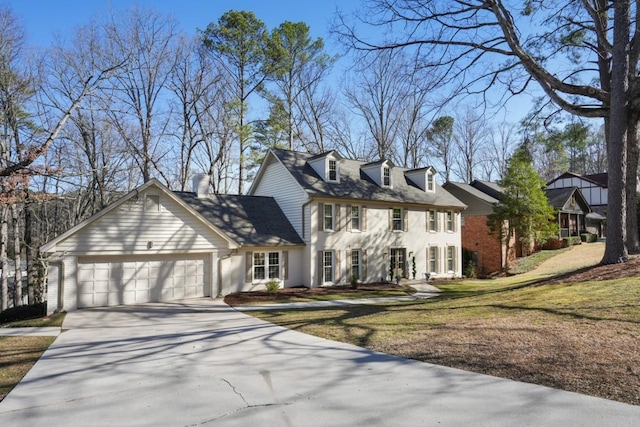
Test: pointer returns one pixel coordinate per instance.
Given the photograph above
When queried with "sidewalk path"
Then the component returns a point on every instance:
(47, 331)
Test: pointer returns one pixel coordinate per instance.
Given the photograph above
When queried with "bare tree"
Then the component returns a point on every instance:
(470, 135)
(583, 55)
(501, 143)
(378, 95)
(441, 144)
(146, 40)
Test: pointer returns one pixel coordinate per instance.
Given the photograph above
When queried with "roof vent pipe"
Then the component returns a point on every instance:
(201, 185)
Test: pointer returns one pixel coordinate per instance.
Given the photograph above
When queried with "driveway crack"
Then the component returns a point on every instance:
(235, 390)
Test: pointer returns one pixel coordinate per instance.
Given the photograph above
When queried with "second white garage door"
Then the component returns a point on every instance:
(107, 282)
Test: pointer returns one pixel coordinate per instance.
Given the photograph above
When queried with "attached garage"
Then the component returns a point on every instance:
(156, 245)
(116, 280)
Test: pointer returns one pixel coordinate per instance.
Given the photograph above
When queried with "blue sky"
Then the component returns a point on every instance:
(43, 18)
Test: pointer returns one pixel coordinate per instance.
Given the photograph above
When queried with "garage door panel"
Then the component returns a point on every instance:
(127, 281)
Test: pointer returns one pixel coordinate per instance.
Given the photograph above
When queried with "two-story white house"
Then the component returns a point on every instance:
(371, 220)
(307, 220)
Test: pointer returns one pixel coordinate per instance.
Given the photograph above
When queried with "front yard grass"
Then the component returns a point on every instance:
(578, 336)
(17, 356)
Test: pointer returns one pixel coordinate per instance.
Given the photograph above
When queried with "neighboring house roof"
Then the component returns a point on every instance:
(355, 184)
(559, 197)
(248, 220)
(491, 188)
(599, 179)
(472, 191)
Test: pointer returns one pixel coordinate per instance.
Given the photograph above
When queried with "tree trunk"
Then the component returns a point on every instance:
(31, 252)
(633, 240)
(616, 248)
(4, 260)
(17, 246)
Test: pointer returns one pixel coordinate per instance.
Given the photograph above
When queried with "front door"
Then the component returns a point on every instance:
(398, 257)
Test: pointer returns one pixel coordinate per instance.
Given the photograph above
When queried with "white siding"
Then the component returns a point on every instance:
(278, 183)
(594, 194)
(378, 240)
(130, 229)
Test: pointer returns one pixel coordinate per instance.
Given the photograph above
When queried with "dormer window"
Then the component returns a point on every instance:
(386, 177)
(333, 170)
(430, 182)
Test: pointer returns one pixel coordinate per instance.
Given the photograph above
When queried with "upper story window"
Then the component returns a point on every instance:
(355, 218)
(397, 219)
(328, 217)
(450, 221)
(386, 176)
(432, 221)
(430, 182)
(333, 170)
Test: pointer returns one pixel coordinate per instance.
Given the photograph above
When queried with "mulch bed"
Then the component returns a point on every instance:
(284, 294)
(630, 268)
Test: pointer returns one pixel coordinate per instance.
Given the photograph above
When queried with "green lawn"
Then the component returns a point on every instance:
(582, 337)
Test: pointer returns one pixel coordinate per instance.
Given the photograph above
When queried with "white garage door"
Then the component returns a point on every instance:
(105, 282)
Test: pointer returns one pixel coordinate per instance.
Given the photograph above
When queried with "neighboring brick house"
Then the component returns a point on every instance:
(487, 252)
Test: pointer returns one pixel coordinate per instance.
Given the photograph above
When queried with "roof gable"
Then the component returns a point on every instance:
(133, 194)
(567, 199)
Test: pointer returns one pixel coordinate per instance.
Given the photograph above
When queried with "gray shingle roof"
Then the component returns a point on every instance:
(355, 184)
(473, 191)
(248, 220)
(558, 197)
(493, 189)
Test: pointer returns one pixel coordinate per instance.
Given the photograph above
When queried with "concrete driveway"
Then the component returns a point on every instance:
(199, 362)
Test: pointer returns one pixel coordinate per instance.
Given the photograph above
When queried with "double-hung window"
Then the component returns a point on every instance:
(328, 217)
(355, 217)
(451, 257)
(355, 264)
(333, 170)
(433, 259)
(430, 182)
(432, 220)
(450, 221)
(386, 177)
(397, 219)
(266, 265)
(327, 264)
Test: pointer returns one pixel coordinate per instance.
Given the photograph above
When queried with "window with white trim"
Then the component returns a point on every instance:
(355, 217)
(432, 220)
(327, 266)
(266, 265)
(386, 177)
(433, 259)
(450, 221)
(328, 217)
(333, 170)
(355, 264)
(451, 258)
(430, 182)
(397, 219)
